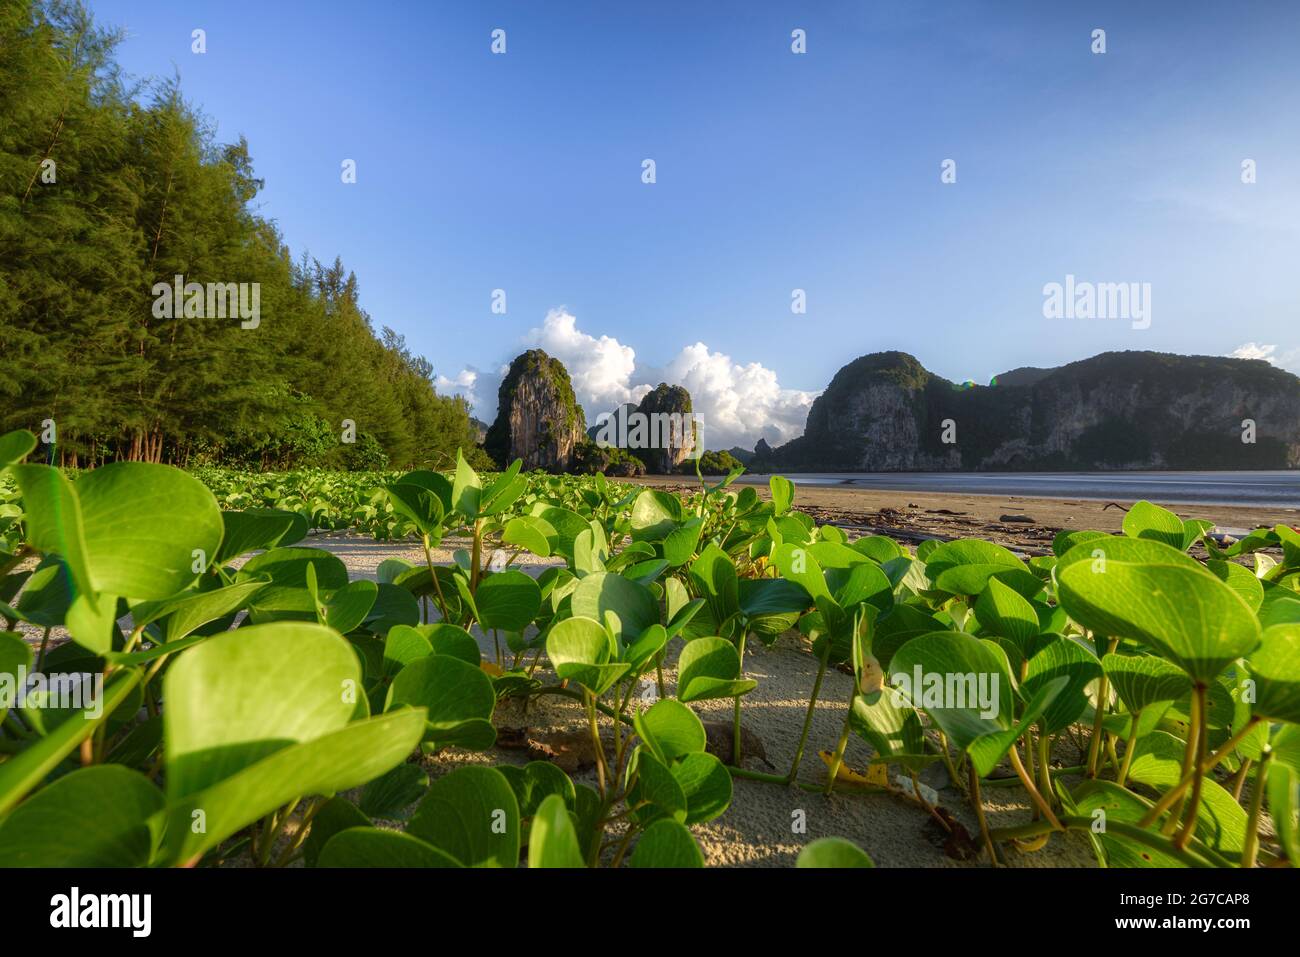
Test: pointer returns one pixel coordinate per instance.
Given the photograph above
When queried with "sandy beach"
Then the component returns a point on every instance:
(767, 824)
(912, 516)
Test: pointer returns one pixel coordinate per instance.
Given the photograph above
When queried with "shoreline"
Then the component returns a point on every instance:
(913, 516)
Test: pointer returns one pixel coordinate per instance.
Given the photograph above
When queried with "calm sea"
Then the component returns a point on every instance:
(1280, 488)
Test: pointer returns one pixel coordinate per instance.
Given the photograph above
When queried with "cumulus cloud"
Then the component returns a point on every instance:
(477, 386)
(1257, 350)
(601, 369)
(738, 403)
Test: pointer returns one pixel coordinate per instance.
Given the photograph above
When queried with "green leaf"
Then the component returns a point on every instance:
(706, 783)
(23, 772)
(710, 668)
(1062, 658)
(666, 843)
(714, 575)
(404, 644)
(188, 612)
(1275, 669)
(457, 697)
(964, 567)
(143, 525)
(892, 728)
(680, 544)
(1187, 614)
(94, 817)
(470, 814)
(655, 515)
(372, 847)
(252, 530)
(287, 567)
(530, 532)
(454, 641)
(1143, 680)
(552, 841)
(54, 521)
(654, 786)
(1145, 520)
(242, 695)
(335, 815)
(16, 446)
(508, 600)
(333, 762)
(579, 649)
(390, 794)
(1003, 611)
(798, 565)
(960, 683)
(670, 729)
(536, 781)
(466, 488)
(347, 607)
(833, 852)
(46, 594)
(782, 490)
(1241, 580)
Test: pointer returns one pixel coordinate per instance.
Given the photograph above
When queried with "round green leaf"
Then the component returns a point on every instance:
(372, 847)
(472, 815)
(94, 817)
(552, 841)
(1275, 669)
(833, 852)
(666, 843)
(508, 600)
(710, 668)
(1187, 614)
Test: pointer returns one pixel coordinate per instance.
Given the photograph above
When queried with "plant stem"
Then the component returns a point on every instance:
(1103, 694)
(595, 740)
(536, 660)
(1239, 779)
(475, 556)
(1250, 847)
(808, 715)
(622, 847)
(1044, 768)
(1207, 766)
(735, 731)
(1128, 750)
(437, 587)
(1028, 783)
(978, 803)
(1200, 714)
(838, 758)
(40, 657)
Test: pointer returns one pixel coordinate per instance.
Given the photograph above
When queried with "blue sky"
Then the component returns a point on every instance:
(775, 171)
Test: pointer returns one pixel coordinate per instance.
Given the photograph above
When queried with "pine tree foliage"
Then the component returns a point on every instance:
(110, 190)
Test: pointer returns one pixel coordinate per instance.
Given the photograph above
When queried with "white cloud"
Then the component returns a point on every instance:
(738, 403)
(477, 386)
(601, 369)
(1257, 350)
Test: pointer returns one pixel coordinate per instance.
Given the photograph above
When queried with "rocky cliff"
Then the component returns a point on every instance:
(667, 409)
(1118, 410)
(538, 419)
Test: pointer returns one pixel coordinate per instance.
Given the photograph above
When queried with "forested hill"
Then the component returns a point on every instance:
(106, 191)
